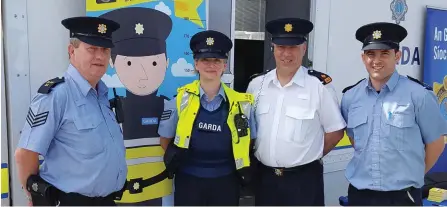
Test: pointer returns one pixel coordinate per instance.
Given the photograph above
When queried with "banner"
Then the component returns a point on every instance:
(150, 60)
(435, 65)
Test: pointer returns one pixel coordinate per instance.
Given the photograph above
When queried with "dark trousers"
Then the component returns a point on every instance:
(293, 187)
(74, 199)
(195, 191)
(358, 197)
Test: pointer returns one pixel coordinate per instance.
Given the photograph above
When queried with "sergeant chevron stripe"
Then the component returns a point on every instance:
(35, 120)
(166, 115)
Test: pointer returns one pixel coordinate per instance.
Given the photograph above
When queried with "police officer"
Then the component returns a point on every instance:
(298, 121)
(209, 121)
(393, 122)
(140, 61)
(70, 124)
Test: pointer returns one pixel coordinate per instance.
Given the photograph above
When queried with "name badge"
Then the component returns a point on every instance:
(149, 121)
(210, 127)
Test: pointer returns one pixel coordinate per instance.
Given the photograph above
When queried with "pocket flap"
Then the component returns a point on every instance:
(401, 120)
(300, 112)
(263, 108)
(86, 122)
(356, 119)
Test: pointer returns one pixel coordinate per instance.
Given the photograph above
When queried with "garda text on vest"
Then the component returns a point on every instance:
(210, 127)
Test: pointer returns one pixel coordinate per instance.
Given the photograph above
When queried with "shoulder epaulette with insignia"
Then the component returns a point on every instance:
(50, 84)
(352, 86)
(426, 86)
(324, 78)
(257, 75)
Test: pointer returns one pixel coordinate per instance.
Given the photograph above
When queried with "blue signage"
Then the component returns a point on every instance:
(435, 65)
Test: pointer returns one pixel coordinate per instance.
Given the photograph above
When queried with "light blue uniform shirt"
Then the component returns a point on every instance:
(77, 134)
(390, 130)
(168, 123)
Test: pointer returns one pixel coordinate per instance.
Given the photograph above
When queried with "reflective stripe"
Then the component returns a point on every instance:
(142, 142)
(246, 107)
(143, 160)
(184, 102)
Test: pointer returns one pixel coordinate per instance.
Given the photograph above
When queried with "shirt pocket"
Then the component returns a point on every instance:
(261, 120)
(397, 128)
(89, 139)
(358, 124)
(296, 123)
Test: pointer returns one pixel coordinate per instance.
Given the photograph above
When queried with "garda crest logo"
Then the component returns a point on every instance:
(440, 89)
(399, 8)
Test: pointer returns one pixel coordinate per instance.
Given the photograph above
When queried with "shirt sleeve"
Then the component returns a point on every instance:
(330, 115)
(333, 92)
(169, 119)
(42, 122)
(429, 118)
(344, 112)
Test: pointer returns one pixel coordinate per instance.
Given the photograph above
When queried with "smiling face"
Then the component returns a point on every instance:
(210, 68)
(91, 61)
(289, 57)
(141, 75)
(380, 64)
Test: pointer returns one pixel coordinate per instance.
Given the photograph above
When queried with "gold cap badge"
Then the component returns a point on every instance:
(102, 28)
(210, 41)
(288, 27)
(377, 34)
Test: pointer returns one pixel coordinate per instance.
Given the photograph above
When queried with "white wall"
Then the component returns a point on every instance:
(35, 51)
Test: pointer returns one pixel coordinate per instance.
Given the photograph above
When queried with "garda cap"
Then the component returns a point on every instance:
(289, 31)
(210, 44)
(381, 36)
(92, 30)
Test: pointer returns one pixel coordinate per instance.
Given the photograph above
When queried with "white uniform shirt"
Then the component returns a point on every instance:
(291, 120)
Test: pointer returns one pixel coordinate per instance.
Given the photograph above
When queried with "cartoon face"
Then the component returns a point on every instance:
(141, 75)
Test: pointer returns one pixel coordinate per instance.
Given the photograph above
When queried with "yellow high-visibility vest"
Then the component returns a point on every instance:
(188, 104)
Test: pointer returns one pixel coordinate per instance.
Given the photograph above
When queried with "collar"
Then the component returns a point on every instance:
(298, 77)
(221, 92)
(83, 84)
(391, 83)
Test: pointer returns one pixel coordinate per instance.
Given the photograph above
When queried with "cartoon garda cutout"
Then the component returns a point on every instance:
(140, 61)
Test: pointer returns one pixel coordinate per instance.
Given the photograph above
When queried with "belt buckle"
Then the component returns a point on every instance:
(278, 172)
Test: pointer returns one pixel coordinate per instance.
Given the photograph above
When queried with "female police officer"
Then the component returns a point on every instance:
(210, 124)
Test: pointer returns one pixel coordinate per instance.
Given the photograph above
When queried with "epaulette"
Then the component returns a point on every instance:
(165, 97)
(426, 86)
(352, 86)
(50, 84)
(324, 78)
(257, 75)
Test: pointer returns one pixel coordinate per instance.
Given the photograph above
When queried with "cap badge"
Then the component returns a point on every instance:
(288, 27)
(377, 34)
(102, 28)
(139, 28)
(210, 41)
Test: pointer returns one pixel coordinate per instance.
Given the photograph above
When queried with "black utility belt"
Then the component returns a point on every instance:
(409, 189)
(45, 194)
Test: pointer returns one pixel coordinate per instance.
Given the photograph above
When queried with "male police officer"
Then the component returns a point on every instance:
(298, 121)
(70, 124)
(140, 60)
(394, 124)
